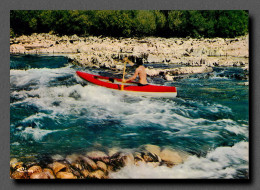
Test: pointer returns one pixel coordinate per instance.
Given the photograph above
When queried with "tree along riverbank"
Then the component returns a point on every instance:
(197, 55)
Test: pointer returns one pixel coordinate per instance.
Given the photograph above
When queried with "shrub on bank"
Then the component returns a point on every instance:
(131, 23)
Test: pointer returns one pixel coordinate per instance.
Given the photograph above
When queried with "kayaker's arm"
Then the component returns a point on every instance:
(133, 77)
(128, 61)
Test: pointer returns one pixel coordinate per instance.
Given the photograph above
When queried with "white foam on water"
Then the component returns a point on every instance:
(129, 134)
(15, 144)
(41, 76)
(102, 103)
(231, 126)
(35, 134)
(223, 162)
(35, 117)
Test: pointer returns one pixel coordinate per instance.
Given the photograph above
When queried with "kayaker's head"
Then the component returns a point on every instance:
(139, 61)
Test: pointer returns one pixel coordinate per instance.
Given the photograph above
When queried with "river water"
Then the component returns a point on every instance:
(52, 113)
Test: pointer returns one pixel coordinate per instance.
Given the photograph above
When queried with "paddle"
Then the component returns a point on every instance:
(122, 85)
(126, 60)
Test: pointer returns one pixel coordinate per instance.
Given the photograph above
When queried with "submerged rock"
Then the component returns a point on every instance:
(152, 148)
(49, 172)
(127, 159)
(96, 155)
(19, 175)
(90, 163)
(138, 158)
(41, 175)
(77, 165)
(85, 173)
(57, 167)
(72, 158)
(34, 169)
(65, 175)
(171, 156)
(15, 164)
(102, 166)
(98, 174)
(113, 151)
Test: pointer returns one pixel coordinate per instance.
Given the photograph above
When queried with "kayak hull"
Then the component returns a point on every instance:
(130, 87)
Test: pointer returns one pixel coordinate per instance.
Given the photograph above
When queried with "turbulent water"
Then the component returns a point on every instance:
(53, 113)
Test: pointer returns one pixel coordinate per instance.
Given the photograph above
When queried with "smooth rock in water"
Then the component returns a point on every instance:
(41, 175)
(85, 173)
(57, 167)
(17, 165)
(30, 164)
(65, 175)
(110, 168)
(13, 161)
(112, 151)
(150, 157)
(75, 172)
(57, 157)
(127, 159)
(105, 160)
(169, 164)
(49, 172)
(72, 158)
(153, 149)
(138, 157)
(89, 162)
(77, 165)
(34, 169)
(19, 175)
(98, 174)
(102, 166)
(96, 155)
(171, 155)
(169, 78)
(147, 158)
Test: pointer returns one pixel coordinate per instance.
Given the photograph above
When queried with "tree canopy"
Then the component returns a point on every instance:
(131, 23)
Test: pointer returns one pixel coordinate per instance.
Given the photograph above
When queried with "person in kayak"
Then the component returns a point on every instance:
(139, 71)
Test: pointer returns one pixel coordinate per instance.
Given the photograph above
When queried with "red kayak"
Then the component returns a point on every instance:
(129, 87)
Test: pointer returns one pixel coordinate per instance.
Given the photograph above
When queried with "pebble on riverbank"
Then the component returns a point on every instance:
(104, 52)
(96, 164)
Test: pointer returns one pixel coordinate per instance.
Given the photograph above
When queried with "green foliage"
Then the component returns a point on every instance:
(145, 23)
(12, 34)
(129, 23)
(232, 23)
(178, 23)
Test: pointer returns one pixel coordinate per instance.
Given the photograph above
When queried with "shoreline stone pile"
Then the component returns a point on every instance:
(95, 164)
(106, 52)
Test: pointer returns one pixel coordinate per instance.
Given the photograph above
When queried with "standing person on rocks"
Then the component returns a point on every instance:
(139, 71)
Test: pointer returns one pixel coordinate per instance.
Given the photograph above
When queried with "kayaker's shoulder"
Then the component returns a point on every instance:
(141, 67)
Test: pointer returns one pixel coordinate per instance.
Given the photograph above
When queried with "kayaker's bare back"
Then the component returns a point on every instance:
(140, 72)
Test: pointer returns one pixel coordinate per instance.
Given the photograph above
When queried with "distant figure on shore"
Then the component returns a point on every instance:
(139, 71)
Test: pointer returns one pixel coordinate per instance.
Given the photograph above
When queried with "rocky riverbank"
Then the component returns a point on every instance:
(94, 164)
(195, 55)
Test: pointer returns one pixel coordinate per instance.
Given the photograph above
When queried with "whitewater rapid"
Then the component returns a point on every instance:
(52, 112)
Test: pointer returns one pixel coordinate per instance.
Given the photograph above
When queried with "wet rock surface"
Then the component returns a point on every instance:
(85, 167)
